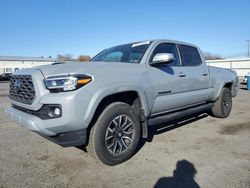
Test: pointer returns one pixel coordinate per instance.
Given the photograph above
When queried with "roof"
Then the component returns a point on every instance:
(173, 41)
(21, 58)
(160, 40)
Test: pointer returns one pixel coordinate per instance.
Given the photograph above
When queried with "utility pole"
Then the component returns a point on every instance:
(248, 45)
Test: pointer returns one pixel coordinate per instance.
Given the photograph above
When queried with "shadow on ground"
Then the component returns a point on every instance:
(168, 126)
(165, 127)
(183, 176)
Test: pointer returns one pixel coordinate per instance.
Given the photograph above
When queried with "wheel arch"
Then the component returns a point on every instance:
(130, 95)
(217, 90)
(228, 85)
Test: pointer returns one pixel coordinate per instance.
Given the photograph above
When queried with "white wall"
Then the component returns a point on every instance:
(20, 65)
(241, 66)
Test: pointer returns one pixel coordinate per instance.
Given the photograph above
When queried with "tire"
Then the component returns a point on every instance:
(115, 136)
(223, 105)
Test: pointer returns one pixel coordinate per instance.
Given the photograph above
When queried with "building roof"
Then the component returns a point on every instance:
(227, 60)
(21, 58)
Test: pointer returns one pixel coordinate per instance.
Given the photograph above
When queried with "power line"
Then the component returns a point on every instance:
(248, 43)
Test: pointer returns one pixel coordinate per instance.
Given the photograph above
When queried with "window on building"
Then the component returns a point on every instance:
(8, 70)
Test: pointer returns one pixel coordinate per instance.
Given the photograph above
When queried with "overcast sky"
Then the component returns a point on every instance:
(51, 27)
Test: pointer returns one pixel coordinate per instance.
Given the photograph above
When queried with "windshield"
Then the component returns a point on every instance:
(128, 53)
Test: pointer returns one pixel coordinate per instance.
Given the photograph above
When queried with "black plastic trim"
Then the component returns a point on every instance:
(68, 139)
(178, 114)
(42, 113)
(164, 92)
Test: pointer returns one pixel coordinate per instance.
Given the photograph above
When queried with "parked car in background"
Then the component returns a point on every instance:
(245, 79)
(5, 76)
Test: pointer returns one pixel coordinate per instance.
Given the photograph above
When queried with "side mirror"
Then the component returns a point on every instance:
(163, 58)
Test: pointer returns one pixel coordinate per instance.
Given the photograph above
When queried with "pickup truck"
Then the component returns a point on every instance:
(108, 103)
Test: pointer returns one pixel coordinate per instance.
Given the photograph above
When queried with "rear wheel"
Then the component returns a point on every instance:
(115, 135)
(223, 105)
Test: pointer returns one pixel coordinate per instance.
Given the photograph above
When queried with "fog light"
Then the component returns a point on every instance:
(57, 111)
(54, 111)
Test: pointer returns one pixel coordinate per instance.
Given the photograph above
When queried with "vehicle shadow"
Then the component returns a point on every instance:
(243, 88)
(183, 176)
(168, 126)
(164, 127)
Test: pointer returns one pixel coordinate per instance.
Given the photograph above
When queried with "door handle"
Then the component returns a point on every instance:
(204, 74)
(181, 74)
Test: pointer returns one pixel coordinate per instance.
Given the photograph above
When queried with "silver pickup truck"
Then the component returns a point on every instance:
(108, 104)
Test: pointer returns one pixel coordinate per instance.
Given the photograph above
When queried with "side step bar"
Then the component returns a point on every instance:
(178, 114)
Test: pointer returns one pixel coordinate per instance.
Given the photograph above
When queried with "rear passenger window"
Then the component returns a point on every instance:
(189, 56)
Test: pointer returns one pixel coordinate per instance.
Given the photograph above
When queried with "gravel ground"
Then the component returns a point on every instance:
(200, 151)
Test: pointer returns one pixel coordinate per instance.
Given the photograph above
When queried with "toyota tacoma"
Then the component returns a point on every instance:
(108, 103)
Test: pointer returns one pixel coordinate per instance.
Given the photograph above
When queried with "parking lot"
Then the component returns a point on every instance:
(196, 151)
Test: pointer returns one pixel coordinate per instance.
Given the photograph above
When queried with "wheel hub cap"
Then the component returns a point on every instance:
(119, 134)
(226, 103)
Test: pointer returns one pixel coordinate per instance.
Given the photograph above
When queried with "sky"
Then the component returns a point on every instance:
(51, 27)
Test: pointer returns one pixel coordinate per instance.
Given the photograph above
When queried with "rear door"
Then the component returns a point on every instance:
(197, 74)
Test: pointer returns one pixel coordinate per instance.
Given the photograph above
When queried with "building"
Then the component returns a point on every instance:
(241, 66)
(9, 64)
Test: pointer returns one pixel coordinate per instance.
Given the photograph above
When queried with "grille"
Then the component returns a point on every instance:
(22, 89)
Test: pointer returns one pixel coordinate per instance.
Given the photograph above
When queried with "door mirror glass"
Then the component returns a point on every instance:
(163, 58)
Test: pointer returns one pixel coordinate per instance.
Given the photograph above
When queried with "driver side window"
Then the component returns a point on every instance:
(113, 57)
(167, 48)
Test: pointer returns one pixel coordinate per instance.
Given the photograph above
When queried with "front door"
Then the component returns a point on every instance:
(169, 81)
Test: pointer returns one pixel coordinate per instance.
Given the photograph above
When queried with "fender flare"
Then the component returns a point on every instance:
(111, 89)
(219, 89)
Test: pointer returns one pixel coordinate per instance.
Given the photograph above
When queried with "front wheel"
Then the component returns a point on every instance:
(223, 105)
(115, 135)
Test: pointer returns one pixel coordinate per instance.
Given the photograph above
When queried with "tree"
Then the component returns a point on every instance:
(66, 57)
(84, 58)
(210, 56)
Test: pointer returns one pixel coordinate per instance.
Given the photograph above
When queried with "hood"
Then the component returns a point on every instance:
(82, 68)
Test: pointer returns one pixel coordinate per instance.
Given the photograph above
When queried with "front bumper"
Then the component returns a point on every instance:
(25, 120)
(67, 130)
(74, 106)
(65, 139)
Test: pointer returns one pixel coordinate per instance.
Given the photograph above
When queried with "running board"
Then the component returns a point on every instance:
(178, 114)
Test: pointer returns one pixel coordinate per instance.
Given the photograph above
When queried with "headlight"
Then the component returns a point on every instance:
(66, 83)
